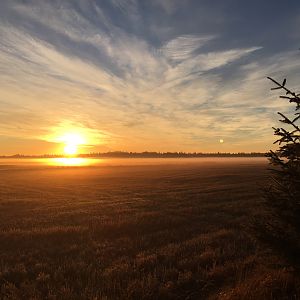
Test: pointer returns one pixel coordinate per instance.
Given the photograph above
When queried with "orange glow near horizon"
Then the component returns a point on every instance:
(71, 149)
(72, 141)
(71, 138)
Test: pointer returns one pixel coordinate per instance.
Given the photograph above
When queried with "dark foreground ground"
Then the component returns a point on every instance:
(137, 232)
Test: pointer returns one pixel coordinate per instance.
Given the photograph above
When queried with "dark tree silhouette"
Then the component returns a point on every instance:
(283, 193)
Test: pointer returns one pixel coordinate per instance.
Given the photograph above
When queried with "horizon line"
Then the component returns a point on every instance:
(121, 154)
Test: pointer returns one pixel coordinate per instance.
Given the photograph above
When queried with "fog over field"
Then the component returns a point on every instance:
(165, 231)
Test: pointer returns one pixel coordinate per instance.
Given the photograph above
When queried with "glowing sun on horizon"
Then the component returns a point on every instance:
(72, 141)
(71, 149)
(73, 138)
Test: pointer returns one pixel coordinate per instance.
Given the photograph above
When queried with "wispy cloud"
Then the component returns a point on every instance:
(183, 47)
(63, 63)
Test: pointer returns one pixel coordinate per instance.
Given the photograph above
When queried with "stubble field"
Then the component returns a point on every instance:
(168, 231)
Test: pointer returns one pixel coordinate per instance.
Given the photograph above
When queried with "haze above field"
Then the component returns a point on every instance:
(161, 75)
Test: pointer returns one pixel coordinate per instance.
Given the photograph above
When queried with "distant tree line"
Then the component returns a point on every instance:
(146, 154)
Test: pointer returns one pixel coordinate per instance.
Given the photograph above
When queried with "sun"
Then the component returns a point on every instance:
(72, 141)
(70, 149)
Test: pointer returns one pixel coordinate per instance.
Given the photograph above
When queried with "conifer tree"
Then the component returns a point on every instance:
(283, 193)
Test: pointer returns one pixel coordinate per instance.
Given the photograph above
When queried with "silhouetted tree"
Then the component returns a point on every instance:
(283, 193)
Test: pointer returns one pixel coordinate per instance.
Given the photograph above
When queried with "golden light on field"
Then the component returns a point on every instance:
(221, 141)
(69, 161)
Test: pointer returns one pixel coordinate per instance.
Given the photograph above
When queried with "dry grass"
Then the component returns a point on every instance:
(139, 232)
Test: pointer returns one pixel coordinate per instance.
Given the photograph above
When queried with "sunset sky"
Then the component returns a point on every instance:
(159, 75)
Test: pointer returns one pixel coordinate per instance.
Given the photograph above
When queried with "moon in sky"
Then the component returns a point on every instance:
(221, 141)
